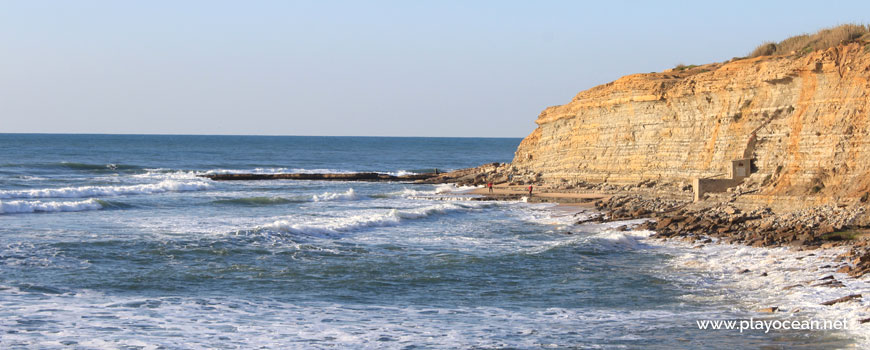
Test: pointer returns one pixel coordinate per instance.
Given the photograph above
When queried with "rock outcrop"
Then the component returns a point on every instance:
(321, 177)
(804, 120)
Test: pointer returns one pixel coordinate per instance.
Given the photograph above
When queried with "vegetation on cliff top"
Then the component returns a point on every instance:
(806, 43)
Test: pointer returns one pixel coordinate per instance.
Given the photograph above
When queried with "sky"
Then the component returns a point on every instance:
(354, 68)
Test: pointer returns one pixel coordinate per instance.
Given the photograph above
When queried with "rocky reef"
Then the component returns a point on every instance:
(373, 177)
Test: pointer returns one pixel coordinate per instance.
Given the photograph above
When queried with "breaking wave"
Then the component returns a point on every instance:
(392, 217)
(16, 207)
(261, 200)
(95, 191)
(332, 196)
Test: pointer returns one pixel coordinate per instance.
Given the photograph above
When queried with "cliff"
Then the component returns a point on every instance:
(802, 119)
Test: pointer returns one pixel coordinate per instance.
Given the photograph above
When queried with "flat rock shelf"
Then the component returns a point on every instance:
(327, 177)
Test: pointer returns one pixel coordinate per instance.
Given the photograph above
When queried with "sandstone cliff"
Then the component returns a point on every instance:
(802, 119)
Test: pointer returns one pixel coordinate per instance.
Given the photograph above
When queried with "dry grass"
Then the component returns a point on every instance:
(681, 67)
(806, 43)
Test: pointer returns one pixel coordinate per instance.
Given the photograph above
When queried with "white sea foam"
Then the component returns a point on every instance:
(204, 322)
(780, 277)
(610, 234)
(452, 188)
(13, 207)
(442, 192)
(400, 173)
(792, 280)
(333, 196)
(95, 191)
(548, 214)
(248, 171)
(339, 225)
(32, 178)
(411, 193)
(163, 174)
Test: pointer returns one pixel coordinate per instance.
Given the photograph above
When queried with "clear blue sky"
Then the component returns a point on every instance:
(379, 68)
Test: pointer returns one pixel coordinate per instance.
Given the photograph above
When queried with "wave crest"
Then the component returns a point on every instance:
(98, 191)
(348, 224)
(15, 207)
(332, 196)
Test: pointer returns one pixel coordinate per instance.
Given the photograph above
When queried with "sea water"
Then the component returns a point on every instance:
(111, 241)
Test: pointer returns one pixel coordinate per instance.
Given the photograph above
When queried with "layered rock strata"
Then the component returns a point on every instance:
(803, 120)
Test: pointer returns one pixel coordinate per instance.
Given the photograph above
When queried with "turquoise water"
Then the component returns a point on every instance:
(114, 242)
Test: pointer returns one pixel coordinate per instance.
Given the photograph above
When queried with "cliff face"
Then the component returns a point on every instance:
(809, 116)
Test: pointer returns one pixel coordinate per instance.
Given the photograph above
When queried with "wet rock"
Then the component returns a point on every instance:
(593, 218)
(771, 309)
(321, 177)
(833, 283)
(664, 223)
(841, 300)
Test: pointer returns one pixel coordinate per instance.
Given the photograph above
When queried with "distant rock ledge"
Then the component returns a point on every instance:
(470, 176)
(327, 177)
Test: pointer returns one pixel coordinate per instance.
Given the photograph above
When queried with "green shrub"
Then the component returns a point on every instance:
(681, 67)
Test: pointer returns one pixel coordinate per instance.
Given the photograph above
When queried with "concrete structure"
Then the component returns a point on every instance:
(740, 169)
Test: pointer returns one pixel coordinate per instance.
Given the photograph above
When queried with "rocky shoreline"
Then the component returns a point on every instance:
(673, 214)
(825, 226)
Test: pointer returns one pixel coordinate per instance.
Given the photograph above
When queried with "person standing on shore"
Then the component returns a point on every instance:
(489, 186)
(530, 190)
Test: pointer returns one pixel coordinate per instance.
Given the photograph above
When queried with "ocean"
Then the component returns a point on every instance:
(112, 241)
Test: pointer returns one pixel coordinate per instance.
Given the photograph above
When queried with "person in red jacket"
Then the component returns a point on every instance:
(489, 186)
(530, 190)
